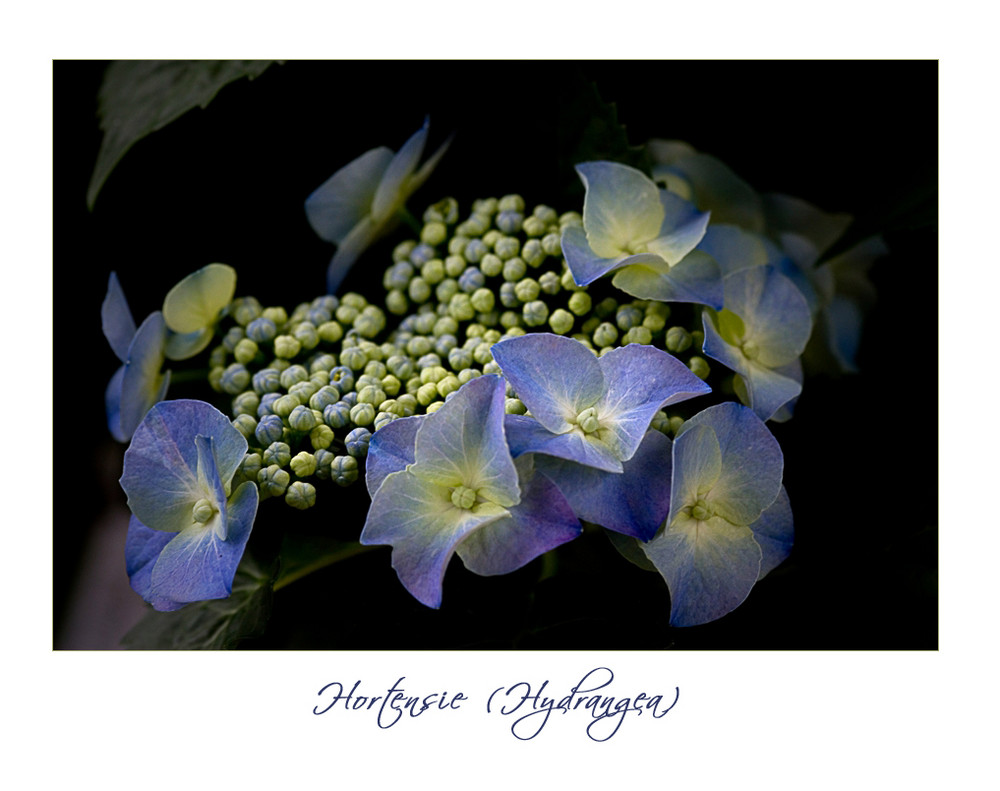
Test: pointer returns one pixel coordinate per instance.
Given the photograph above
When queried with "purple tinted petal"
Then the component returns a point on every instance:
(391, 448)
(116, 319)
(634, 502)
(143, 384)
(709, 567)
(341, 201)
(640, 380)
(352, 246)
(464, 443)
(113, 405)
(541, 521)
(683, 227)
(774, 532)
(197, 564)
(142, 548)
(393, 182)
(420, 522)
(554, 376)
(585, 265)
(527, 435)
(696, 279)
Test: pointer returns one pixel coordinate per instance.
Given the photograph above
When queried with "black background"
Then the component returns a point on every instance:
(227, 184)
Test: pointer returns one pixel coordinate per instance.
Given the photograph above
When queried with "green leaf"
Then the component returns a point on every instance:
(140, 96)
(304, 554)
(589, 131)
(210, 625)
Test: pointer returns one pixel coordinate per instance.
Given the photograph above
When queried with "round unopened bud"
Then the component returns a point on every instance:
(344, 470)
(513, 202)
(549, 283)
(491, 265)
(514, 406)
(587, 420)
(363, 414)
(699, 367)
(272, 480)
(261, 330)
(321, 437)
(286, 347)
(302, 419)
(561, 321)
(434, 233)
(396, 302)
(532, 226)
(552, 244)
(637, 335)
(337, 415)
(580, 303)
(402, 250)
(330, 331)
(475, 250)
(250, 466)
(383, 419)
(284, 405)
(277, 453)
(301, 495)
(354, 357)
(463, 497)
(397, 276)
(526, 289)
(507, 248)
(203, 511)
(509, 221)
(677, 340)
(269, 429)
(245, 424)
(470, 279)
(357, 442)
(460, 307)
(446, 289)
(535, 313)
(605, 335)
(246, 403)
(303, 464)
(245, 309)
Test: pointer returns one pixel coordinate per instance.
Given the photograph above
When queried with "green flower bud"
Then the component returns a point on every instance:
(532, 226)
(344, 470)
(286, 346)
(433, 407)
(391, 385)
(491, 265)
(245, 309)
(492, 368)
(367, 325)
(284, 405)
(293, 374)
(446, 289)
(483, 300)
(301, 495)
(371, 394)
(590, 326)
(261, 330)
(660, 422)
(605, 335)
(217, 357)
(434, 233)
(580, 303)
(321, 437)
(510, 319)
(549, 283)
(491, 237)
(409, 404)
(678, 340)
(448, 384)
(526, 289)
(303, 464)
(383, 419)
(277, 453)
(454, 266)
(276, 314)
(246, 425)
(512, 202)
(514, 406)
(354, 357)
(513, 332)
(402, 250)
(396, 302)
(272, 481)
(432, 272)
(467, 375)
(303, 419)
(699, 367)
(697, 338)
(427, 393)
(637, 335)
(246, 403)
(568, 282)
(552, 244)
(535, 313)
(235, 379)
(305, 333)
(456, 245)
(507, 248)
(354, 300)
(628, 316)
(508, 295)
(330, 331)
(231, 338)
(460, 307)
(569, 219)
(561, 321)
(337, 415)
(475, 225)
(675, 424)
(363, 414)
(250, 466)
(346, 314)
(203, 511)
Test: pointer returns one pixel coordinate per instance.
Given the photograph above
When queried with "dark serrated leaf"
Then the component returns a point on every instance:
(210, 625)
(138, 97)
(304, 554)
(589, 130)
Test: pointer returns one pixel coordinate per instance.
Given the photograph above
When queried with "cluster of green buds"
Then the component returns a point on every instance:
(309, 388)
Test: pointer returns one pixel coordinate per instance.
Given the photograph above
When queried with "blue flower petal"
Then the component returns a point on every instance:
(774, 532)
(696, 279)
(345, 198)
(113, 405)
(621, 208)
(210, 483)
(348, 251)
(541, 521)
(390, 449)
(682, 229)
(464, 443)
(554, 376)
(709, 567)
(784, 213)
(634, 502)
(640, 380)
(586, 266)
(143, 384)
(735, 249)
(142, 548)
(424, 527)
(116, 319)
(197, 564)
(751, 462)
(161, 463)
(527, 435)
(393, 181)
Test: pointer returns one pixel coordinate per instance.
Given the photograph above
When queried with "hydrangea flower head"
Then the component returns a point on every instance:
(646, 235)
(594, 411)
(728, 522)
(760, 334)
(360, 202)
(139, 382)
(445, 483)
(187, 533)
(192, 308)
